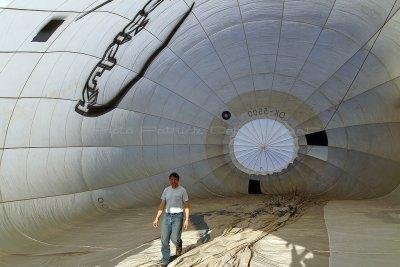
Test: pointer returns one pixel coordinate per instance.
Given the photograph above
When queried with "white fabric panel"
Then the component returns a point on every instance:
(14, 75)
(6, 108)
(15, 29)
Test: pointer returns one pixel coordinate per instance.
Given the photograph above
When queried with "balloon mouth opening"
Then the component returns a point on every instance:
(263, 147)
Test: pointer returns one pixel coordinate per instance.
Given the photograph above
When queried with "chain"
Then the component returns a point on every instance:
(109, 59)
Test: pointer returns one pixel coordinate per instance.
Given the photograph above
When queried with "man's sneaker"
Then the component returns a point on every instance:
(178, 251)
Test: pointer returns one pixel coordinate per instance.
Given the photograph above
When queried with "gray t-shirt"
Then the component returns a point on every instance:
(174, 198)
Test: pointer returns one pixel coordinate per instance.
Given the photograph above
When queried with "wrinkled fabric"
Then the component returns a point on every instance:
(235, 245)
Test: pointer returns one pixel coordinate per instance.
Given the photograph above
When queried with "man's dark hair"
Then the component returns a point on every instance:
(174, 174)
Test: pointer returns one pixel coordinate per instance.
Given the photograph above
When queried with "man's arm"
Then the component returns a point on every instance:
(187, 210)
(159, 212)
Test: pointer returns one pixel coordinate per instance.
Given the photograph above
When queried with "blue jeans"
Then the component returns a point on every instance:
(171, 228)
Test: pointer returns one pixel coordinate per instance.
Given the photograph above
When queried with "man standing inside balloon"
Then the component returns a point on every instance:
(173, 199)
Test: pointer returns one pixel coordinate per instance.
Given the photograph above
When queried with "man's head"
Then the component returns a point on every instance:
(174, 179)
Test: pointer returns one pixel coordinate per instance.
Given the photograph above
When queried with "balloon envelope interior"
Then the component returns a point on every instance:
(101, 100)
